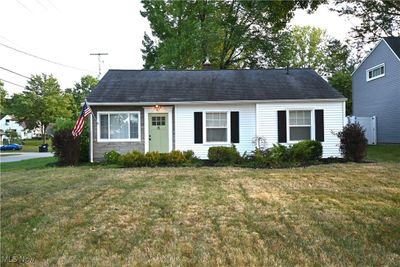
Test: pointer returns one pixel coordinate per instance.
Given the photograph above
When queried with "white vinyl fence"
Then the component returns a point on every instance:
(369, 125)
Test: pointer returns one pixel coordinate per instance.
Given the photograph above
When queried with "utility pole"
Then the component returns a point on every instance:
(99, 57)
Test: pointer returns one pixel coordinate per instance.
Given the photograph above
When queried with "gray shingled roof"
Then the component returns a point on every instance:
(211, 85)
(394, 43)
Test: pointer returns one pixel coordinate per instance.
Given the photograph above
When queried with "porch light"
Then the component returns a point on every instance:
(157, 107)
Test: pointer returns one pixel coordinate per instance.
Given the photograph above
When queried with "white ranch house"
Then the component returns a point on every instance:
(193, 110)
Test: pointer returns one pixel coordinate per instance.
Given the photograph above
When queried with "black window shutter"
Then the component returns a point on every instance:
(234, 127)
(282, 126)
(319, 125)
(198, 127)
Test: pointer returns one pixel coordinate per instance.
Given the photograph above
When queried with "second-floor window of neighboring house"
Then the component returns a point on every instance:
(376, 72)
(7, 122)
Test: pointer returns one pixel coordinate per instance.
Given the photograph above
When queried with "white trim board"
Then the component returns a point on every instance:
(216, 102)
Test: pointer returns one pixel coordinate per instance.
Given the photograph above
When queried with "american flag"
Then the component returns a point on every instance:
(78, 129)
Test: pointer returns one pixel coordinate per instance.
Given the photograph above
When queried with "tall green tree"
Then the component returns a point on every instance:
(378, 18)
(80, 91)
(310, 47)
(3, 104)
(231, 33)
(302, 47)
(342, 82)
(40, 104)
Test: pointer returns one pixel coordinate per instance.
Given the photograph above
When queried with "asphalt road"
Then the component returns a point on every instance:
(23, 156)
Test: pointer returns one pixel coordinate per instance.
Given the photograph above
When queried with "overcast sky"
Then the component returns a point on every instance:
(66, 32)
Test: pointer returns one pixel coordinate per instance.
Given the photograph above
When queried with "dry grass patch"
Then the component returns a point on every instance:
(346, 214)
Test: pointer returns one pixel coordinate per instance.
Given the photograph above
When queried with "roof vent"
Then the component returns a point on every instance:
(207, 64)
(287, 69)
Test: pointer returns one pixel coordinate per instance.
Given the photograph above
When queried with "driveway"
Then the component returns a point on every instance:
(23, 156)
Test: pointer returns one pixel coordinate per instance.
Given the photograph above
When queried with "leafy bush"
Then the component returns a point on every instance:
(174, 158)
(353, 143)
(307, 151)
(112, 157)
(189, 155)
(68, 124)
(133, 159)
(66, 147)
(260, 159)
(280, 156)
(223, 155)
(153, 158)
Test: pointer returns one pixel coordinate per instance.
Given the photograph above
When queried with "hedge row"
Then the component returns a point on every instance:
(302, 153)
(151, 159)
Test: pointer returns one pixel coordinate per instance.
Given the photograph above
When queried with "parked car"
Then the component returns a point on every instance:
(11, 147)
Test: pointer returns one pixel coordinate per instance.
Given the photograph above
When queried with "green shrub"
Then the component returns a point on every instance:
(133, 159)
(175, 158)
(153, 158)
(223, 155)
(189, 155)
(353, 143)
(112, 157)
(260, 159)
(307, 151)
(280, 156)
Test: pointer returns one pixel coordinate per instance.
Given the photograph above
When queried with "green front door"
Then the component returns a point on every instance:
(158, 132)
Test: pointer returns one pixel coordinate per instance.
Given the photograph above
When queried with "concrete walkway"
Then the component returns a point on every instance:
(23, 156)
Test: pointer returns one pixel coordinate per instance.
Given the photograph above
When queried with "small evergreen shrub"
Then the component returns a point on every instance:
(280, 156)
(175, 158)
(153, 158)
(307, 151)
(112, 157)
(260, 159)
(223, 155)
(189, 155)
(353, 143)
(66, 148)
(133, 159)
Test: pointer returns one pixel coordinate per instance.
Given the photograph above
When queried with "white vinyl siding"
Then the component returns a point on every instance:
(376, 72)
(184, 127)
(118, 126)
(334, 114)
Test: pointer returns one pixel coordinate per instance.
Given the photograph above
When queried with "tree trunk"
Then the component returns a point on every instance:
(44, 127)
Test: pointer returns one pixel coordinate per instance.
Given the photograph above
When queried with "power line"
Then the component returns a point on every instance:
(12, 83)
(24, 6)
(14, 72)
(44, 59)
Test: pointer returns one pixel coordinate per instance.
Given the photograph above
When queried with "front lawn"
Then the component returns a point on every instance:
(384, 153)
(339, 214)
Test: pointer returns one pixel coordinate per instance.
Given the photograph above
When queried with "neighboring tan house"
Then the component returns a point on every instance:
(376, 89)
(168, 110)
(8, 123)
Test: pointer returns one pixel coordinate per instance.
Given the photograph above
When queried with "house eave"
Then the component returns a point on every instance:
(166, 103)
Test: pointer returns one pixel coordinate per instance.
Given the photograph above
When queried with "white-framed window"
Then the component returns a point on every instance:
(299, 125)
(376, 72)
(118, 126)
(216, 127)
